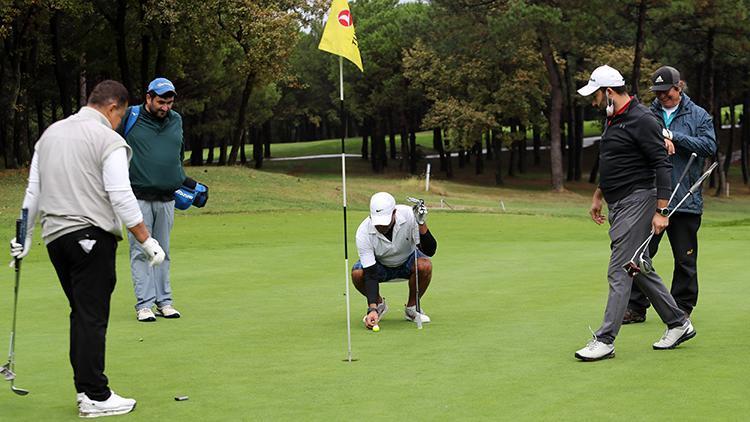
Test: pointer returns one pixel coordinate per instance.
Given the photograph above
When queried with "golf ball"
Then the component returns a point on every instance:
(376, 328)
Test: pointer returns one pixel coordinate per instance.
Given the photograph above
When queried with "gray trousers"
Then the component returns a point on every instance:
(630, 224)
(151, 284)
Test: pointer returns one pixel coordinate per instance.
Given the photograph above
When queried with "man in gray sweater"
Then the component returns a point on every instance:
(79, 188)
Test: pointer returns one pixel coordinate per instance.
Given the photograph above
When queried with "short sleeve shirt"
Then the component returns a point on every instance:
(373, 247)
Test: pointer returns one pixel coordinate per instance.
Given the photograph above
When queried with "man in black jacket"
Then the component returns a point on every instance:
(636, 183)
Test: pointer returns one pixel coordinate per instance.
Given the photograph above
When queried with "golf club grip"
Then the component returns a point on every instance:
(20, 235)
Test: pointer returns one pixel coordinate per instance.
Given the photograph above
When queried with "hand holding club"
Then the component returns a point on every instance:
(420, 210)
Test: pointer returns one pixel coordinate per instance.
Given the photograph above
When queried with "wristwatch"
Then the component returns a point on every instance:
(664, 212)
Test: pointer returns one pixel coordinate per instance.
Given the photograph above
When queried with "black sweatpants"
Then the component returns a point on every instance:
(683, 237)
(88, 279)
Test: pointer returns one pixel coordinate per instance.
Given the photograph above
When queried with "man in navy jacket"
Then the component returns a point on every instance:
(691, 130)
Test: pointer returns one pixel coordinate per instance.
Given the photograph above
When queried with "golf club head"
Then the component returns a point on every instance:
(645, 266)
(631, 268)
(19, 391)
(7, 373)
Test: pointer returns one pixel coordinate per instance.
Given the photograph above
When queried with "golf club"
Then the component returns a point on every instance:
(644, 264)
(8, 369)
(418, 202)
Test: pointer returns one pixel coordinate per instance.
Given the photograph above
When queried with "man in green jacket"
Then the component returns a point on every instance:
(155, 173)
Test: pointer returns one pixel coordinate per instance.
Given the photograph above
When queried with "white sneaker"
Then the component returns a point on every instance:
(674, 336)
(596, 350)
(145, 315)
(410, 313)
(167, 311)
(80, 397)
(382, 309)
(114, 405)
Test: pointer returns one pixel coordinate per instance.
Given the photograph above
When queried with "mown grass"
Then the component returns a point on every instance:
(259, 277)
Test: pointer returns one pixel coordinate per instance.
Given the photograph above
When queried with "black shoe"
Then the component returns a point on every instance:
(633, 317)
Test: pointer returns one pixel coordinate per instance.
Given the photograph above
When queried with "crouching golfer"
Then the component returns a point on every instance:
(79, 186)
(636, 183)
(386, 242)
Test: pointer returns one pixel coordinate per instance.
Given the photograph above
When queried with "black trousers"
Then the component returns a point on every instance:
(683, 237)
(88, 279)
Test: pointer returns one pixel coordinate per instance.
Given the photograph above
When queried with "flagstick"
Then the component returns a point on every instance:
(343, 190)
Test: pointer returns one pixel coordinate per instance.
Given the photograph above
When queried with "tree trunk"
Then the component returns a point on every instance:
(365, 147)
(40, 122)
(63, 84)
(745, 134)
(404, 163)
(709, 93)
(211, 146)
(640, 39)
(522, 151)
(437, 144)
(267, 139)
(82, 89)
(392, 136)
(121, 42)
(412, 151)
(196, 144)
(162, 55)
(222, 151)
(497, 145)
(243, 154)
(579, 142)
(537, 145)
(241, 116)
(257, 147)
(479, 162)
(145, 51)
(513, 143)
(569, 110)
(730, 144)
(488, 143)
(554, 114)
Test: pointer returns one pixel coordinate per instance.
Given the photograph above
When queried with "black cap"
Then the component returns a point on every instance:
(664, 78)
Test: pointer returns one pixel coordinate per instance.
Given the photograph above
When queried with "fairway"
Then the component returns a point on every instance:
(263, 334)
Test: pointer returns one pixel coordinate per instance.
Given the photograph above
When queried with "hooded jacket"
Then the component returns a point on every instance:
(692, 131)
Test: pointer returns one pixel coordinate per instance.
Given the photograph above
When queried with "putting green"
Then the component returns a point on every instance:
(263, 332)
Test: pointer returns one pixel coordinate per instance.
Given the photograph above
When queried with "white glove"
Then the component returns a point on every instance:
(17, 250)
(154, 251)
(666, 133)
(420, 212)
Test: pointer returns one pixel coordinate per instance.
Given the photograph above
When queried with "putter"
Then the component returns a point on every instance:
(416, 285)
(418, 202)
(8, 369)
(644, 264)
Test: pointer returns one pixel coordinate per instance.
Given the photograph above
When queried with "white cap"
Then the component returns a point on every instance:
(382, 205)
(602, 77)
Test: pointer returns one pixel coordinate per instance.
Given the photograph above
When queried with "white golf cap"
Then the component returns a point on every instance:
(602, 77)
(382, 205)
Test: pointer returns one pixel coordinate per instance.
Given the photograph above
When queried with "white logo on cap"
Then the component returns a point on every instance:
(659, 79)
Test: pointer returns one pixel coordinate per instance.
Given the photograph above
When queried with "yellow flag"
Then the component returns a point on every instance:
(338, 35)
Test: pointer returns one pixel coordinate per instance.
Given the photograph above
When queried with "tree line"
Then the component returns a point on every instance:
(483, 75)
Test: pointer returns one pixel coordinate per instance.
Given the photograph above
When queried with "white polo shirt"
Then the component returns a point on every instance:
(373, 246)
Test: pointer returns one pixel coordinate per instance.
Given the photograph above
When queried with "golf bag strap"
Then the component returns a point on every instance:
(133, 113)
